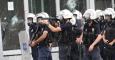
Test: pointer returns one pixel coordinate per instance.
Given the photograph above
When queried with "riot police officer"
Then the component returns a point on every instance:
(108, 25)
(32, 29)
(77, 47)
(65, 28)
(44, 52)
(102, 22)
(109, 46)
(91, 31)
(109, 35)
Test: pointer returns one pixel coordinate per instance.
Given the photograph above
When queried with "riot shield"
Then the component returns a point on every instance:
(24, 45)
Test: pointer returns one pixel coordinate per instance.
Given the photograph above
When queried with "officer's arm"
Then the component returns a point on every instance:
(104, 39)
(112, 43)
(42, 37)
(54, 29)
(81, 37)
(98, 39)
(99, 36)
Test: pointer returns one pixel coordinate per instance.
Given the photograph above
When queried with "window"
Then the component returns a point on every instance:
(37, 6)
(12, 23)
(73, 4)
(103, 4)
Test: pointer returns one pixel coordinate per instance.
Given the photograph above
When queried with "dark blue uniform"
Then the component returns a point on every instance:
(109, 51)
(65, 41)
(43, 49)
(90, 34)
(32, 32)
(77, 49)
(102, 27)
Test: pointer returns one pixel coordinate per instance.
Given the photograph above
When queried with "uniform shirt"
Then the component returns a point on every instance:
(90, 33)
(66, 32)
(110, 30)
(110, 24)
(79, 24)
(102, 23)
(110, 35)
(78, 28)
(32, 31)
(45, 42)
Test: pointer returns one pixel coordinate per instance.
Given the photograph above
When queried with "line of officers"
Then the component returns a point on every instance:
(90, 36)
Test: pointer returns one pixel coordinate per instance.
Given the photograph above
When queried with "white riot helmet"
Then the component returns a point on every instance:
(113, 16)
(45, 14)
(107, 12)
(108, 15)
(78, 14)
(32, 17)
(64, 14)
(73, 20)
(112, 11)
(90, 14)
(42, 15)
(99, 13)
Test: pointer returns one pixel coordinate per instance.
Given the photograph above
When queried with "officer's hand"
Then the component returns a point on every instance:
(33, 43)
(79, 40)
(111, 43)
(91, 48)
(105, 41)
(44, 22)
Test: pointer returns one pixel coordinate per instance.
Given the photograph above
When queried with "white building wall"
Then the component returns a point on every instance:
(1, 47)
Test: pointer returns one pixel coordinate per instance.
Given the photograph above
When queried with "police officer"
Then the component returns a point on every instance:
(102, 22)
(76, 47)
(109, 23)
(65, 28)
(32, 29)
(109, 46)
(44, 52)
(109, 36)
(91, 31)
